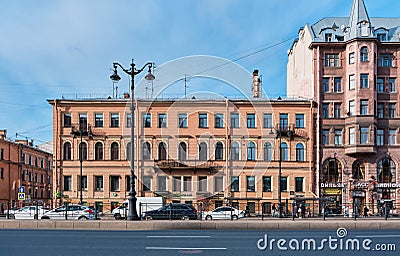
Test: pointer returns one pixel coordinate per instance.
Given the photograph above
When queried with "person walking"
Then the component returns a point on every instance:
(365, 211)
(273, 210)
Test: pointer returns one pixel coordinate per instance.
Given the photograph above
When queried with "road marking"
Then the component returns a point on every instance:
(183, 248)
(178, 236)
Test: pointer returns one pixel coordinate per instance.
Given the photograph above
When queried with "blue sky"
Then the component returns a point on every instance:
(54, 48)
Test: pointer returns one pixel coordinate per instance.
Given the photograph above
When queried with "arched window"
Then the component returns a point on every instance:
(98, 151)
(128, 152)
(357, 171)
(203, 151)
(219, 151)
(364, 54)
(386, 171)
(83, 149)
(67, 151)
(251, 151)
(114, 151)
(267, 151)
(146, 151)
(332, 171)
(235, 151)
(300, 152)
(162, 151)
(182, 151)
(284, 151)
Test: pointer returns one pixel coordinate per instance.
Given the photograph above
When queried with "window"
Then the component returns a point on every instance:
(235, 151)
(182, 120)
(251, 151)
(267, 121)
(162, 151)
(202, 183)
(392, 110)
(84, 183)
(162, 120)
(219, 151)
(299, 120)
(351, 82)
(325, 84)
(380, 110)
(337, 84)
(392, 84)
(251, 121)
(98, 151)
(146, 183)
(363, 107)
(380, 84)
(351, 108)
(146, 151)
(2, 173)
(67, 151)
(162, 183)
(203, 151)
(386, 172)
(182, 151)
(176, 183)
(98, 183)
(364, 54)
(128, 120)
(23, 158)
(328, 37)
(284, 151)
(114, 183)
(337, 107)
(250, 183)
(300, 152)
(83, 151)
(298, 184)
(267, 151)
(284, 181)
(67, 183)
(325, 137)
(146, 120)
(386, 60)
(203, 120)
(266, 183)
(67, 119)
(392, 137)
(380, 137)
(83, 123)
(114, 151)
(364, 81)
(235, 120)
(219, 120)
(338, 137)
(325, 110)
(351, 58)
(235, 183)
(381, 37)
(283, 121)
(187, 183)
(331, 60)
(352, 139)
(98, 120)
(364, 135)
(218, 184)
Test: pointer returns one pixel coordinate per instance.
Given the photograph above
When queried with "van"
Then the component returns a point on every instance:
(143, 204)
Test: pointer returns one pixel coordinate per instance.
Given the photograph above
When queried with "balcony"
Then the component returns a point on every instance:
(360, 149)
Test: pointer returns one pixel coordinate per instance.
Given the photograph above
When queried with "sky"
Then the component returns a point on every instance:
(65, 48)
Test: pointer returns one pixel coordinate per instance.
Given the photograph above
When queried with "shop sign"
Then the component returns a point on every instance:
(358, 194)
(388, 185)
(332, 185)
(362, 185)
(333, 191)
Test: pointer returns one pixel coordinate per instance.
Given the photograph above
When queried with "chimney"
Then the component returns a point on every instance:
(256, 86)
(3, 134)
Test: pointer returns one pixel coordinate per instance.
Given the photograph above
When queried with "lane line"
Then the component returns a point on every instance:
(178, 236)
(183, 248)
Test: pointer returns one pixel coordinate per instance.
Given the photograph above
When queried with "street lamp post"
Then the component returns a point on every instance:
(132, 214)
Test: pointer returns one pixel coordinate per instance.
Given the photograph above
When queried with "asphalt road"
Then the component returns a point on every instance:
(199, 242)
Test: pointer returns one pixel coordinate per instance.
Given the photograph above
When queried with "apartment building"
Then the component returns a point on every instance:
(194, 151)
(350, 67)
(23, 165)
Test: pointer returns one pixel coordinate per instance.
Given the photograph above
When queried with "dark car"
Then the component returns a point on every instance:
(172, 211)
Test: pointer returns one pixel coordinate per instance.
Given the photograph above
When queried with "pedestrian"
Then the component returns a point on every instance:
(365, 211)
(273, 210)
(299, 211)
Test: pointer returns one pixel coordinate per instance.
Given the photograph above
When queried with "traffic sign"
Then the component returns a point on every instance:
(21, 189)
(21, 196)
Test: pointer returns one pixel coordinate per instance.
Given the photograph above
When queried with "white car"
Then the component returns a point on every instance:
(223, 213)
(29, 212)
(74, 212)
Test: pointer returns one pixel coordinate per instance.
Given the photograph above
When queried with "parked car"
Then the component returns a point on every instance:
(74, 211)
(172, 211)
(224, 213)
(29, 212)
(11, 212)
